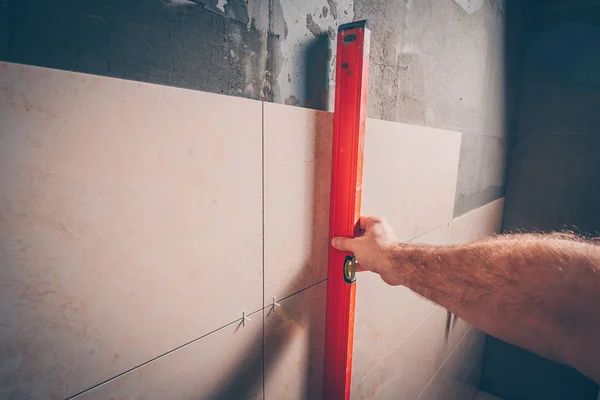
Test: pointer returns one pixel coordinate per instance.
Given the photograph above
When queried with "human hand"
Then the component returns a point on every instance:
(373, 249)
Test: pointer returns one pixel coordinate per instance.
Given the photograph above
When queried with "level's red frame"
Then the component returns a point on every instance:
(346, 188)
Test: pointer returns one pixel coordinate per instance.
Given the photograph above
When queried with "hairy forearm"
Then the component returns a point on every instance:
(541, 293)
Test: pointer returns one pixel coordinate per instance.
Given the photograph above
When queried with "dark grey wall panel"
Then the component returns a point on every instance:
(554, 183)
(512, 373)
(3, 28)
(553, 176)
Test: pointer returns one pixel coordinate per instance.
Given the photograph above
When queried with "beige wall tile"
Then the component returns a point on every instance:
(409, 368)
(297, 189)
(410, 175)
(388, 318)
(226, 364)
(487, 396)
(451, 382)
(130, 223)
(477, 224)
(294, 346)
(385, 316)
(117, 205)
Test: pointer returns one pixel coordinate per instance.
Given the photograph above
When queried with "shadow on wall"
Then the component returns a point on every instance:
(553, 179)
(278, 336)
(316, 63)
(190, 44)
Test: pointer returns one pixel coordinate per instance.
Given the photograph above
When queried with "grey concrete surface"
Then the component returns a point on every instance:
(481, 171)
(438, 63)
(173, 42)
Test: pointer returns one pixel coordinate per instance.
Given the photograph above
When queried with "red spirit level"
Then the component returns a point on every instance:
(346, 188)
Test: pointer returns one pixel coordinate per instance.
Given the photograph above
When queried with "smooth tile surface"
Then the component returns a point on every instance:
(475, 376)
(486, 396)
(294, 346)
(385, 316)
(452, 379)
(226, 364)
(388, 318)
(477, 224)
(410, 175)
(130, 223)
(411, 366)
(297, 189)
(482, 171)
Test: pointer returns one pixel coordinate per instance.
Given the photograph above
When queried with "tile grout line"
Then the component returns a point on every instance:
(263, 240)
(472, 367)
(302, 290)
(431, 312)
(180, 347)
(445, 361)
(452, 220)
(394, 349)
(284, 298)
(429, 231)
(288, 296)
(265, 307)
(157, 357)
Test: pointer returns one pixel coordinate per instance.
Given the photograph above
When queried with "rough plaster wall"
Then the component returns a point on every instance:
(434, 62)
(190, 44)
(431, 63)
(440, 64)
(307, 32)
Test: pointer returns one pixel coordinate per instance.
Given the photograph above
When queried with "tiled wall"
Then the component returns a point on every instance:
(140, 222)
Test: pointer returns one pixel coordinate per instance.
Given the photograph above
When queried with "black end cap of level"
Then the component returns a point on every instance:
(352, 25)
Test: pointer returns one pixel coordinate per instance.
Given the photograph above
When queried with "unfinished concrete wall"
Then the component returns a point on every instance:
(441, 64)
(140, 223)
(436, 63)
(554, 168)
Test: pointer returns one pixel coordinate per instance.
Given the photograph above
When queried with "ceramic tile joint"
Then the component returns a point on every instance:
(244, 318)
(274, 305)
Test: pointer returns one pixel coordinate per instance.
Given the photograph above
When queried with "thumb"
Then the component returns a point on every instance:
(342, 243)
